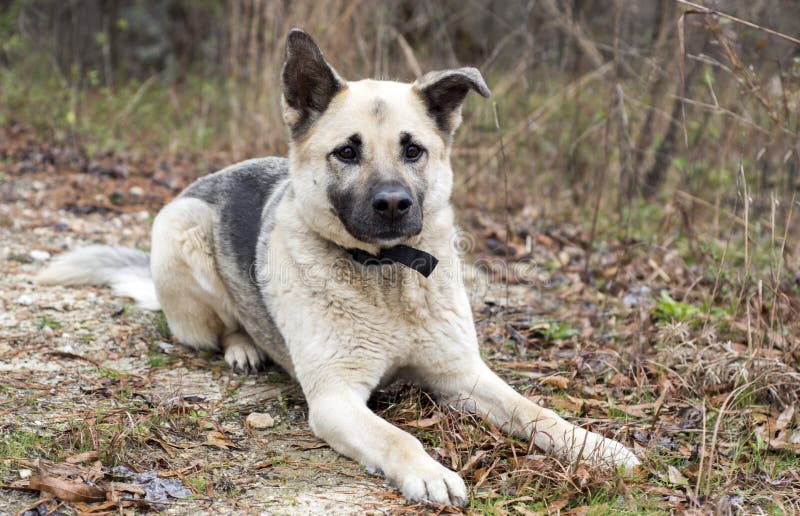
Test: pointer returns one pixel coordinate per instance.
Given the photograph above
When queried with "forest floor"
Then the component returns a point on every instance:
(95, 394)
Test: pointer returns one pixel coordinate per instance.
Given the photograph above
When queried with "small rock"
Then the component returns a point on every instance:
(639, 295)
(25, 299)
(260, 421)
(39, 256)
(166, 347)
(48, 331)
(136, 191)
(38, 186)
(25, 473)
(66, 303)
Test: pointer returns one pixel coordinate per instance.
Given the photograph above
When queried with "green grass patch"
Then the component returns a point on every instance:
(46, 322)
(668, 310)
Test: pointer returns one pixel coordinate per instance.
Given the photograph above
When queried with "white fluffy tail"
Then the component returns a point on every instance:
(125, 270)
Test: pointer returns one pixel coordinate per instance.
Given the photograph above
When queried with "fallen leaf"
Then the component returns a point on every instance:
(68, 490)
(775, 432)
(560, 382)
(569, 404)
(63, 469)
(785, 419)
(123, 486)
(477, 456)
(218, 439)
(424, 423)
(312, 446)
(637, 411)
(555, 507)
(268, 463)
(675, 477)
(82, 458)
(92, 509)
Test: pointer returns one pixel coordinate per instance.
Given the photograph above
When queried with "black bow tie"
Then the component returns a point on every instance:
(420, 261)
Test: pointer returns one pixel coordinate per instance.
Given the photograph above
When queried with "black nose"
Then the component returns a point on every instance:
(392, 202)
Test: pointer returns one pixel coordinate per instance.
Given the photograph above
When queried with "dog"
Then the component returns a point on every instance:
(339, 265)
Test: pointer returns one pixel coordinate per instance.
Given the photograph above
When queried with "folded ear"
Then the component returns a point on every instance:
(444, 93)
(309, 82)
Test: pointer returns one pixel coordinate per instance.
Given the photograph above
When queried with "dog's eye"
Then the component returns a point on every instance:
(413, 152)
(346, 153)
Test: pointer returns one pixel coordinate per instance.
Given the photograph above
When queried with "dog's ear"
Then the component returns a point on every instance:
(444, 92)
(309, 82)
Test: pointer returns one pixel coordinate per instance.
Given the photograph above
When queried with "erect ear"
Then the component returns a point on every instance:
(309, 82)
(444, 92)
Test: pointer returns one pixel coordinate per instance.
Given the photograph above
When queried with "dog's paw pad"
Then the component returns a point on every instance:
(433, 483)
(242, 355)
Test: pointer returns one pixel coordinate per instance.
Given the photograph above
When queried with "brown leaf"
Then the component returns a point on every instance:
(785, 419)
(124, 486)
(424, 423)
(637, 411)
(775, 432)
(312, 446)
(675, 477)
(68, 490)
(83, 458)
(93, 509)
(570, 404)
(63, 469)
(473, 460)
(219, 440)
(560, 382)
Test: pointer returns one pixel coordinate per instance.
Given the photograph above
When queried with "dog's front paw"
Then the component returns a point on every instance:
(241, 354)
(431, 482)
(607, 452)
(618, 455)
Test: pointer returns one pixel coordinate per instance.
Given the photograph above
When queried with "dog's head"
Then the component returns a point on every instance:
(369, 159)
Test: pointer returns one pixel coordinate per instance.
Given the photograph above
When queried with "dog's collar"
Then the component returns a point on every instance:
(420, 261)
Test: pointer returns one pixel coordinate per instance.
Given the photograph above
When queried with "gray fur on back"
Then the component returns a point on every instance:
(239, 193)
(243, 197)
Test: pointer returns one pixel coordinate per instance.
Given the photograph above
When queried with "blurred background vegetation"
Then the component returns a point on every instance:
(648, 119)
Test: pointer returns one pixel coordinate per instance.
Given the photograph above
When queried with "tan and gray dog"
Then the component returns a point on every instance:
(339, 265)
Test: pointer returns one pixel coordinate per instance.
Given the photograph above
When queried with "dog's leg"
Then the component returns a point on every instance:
(339, 415)
(477, 389)
(191, 293)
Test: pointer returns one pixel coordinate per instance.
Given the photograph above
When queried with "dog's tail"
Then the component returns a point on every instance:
(125, 270)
